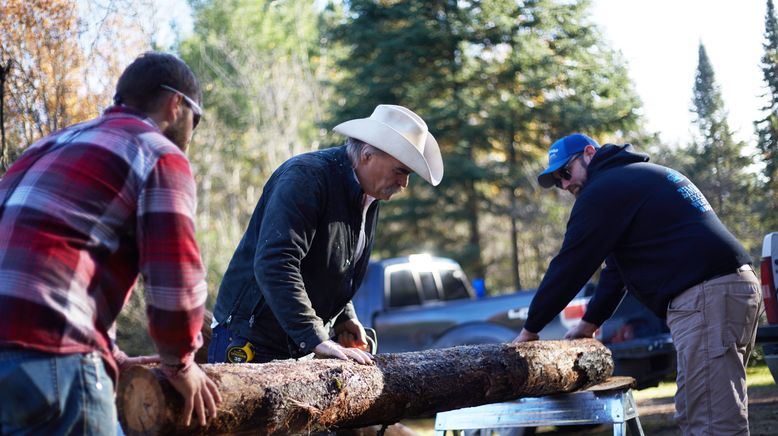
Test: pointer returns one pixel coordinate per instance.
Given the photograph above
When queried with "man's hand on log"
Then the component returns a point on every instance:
(581, 330)
(351, 334)
(200, 394)
(526, 336)
(331, 348)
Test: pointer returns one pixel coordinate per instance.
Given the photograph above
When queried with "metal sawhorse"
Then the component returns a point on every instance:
(609, 402)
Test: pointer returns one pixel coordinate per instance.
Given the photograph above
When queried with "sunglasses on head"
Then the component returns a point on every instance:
(564, 173)
(197, 111)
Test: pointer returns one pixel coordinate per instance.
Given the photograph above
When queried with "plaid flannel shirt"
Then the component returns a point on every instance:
(89, 209)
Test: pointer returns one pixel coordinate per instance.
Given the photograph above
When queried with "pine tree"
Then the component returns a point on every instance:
(497, 81)
(557, 77)
(767, 127)
(720, 168)
(411, 53)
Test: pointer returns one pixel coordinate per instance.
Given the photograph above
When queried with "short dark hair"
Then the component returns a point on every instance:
(139, 84)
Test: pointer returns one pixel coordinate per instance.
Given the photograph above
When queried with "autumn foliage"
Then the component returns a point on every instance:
(62, 58)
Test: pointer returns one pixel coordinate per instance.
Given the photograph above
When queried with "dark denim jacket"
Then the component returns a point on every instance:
(293, 274)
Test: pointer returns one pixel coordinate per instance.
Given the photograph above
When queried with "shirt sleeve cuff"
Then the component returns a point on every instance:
(309, 339)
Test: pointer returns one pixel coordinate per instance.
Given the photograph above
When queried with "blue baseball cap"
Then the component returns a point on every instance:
(561, 152)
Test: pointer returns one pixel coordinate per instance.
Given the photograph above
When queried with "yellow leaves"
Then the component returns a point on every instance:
(38, 41)
(38, 18)
(63, 65)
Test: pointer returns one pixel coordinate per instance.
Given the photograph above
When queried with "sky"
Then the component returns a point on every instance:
(659, 40)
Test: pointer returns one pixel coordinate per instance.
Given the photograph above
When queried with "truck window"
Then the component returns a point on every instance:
(428, 289)
(402, 289)
(454, 287)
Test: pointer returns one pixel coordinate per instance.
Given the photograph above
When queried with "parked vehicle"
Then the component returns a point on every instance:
(421, 302)
(767, 335)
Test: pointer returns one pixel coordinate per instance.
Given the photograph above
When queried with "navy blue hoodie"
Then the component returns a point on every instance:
(656, 229)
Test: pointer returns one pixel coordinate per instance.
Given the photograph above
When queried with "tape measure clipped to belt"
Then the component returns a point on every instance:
(240, 351)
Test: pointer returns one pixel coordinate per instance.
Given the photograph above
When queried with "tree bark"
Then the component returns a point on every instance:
(299, 397)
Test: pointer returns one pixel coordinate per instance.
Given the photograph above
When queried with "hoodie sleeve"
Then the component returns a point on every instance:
(609, 293)
(600, 216)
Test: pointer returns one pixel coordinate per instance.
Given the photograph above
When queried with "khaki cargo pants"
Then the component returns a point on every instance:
(713, 325)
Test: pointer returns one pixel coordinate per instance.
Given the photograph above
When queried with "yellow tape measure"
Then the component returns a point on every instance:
(238, 354)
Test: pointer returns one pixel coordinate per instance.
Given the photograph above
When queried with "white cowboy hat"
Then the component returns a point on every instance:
(403, 135)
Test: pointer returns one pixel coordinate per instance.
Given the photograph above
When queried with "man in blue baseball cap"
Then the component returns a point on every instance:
(660, 240)
(561, 154)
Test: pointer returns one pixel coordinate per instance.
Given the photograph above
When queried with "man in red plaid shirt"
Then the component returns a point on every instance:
(83, 213)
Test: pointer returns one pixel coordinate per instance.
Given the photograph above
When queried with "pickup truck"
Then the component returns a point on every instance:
(767, 335)
(421, 302)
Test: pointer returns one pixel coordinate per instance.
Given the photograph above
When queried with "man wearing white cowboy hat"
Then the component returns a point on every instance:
(306, 249)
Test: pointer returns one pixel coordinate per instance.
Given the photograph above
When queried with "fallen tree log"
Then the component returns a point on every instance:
(299, 397)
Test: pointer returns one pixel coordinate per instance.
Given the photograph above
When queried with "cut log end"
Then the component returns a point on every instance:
(141, 402)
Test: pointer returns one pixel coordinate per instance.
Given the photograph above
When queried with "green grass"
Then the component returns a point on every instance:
(665, 389)
(755, 376)
(759, 376)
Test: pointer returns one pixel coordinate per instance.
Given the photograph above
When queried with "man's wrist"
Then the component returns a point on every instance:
(175, 370)
(308, 341)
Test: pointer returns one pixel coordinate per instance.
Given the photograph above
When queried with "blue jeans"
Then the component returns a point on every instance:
(220, 339)
(48, 394)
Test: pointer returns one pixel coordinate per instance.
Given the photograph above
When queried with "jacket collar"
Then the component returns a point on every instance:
(346, 170)
(123, 110)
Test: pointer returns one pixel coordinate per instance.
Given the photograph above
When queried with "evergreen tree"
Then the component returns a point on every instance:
(497, 81)
(767, 128)
(410, 53)
(719, 168)
(557, 77)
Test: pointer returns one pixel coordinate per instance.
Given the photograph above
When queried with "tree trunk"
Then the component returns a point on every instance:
(289, 397)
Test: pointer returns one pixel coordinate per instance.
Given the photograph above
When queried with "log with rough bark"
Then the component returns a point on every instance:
(300, 397)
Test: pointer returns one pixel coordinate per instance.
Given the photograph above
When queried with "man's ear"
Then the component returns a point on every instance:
(170, 107)
(365, 156)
